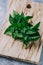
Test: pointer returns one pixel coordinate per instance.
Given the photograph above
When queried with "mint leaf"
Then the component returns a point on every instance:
(9, 30)
(11, 19)
(14, 14)
(29, 17)
(34, 38)
(35, 27)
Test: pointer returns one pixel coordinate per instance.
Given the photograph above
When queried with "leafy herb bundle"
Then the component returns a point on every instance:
(22, 30)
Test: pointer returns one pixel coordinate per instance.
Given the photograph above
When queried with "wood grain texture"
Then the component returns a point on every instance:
(11, 48)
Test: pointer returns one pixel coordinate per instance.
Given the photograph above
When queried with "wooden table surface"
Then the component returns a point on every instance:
(4, 61)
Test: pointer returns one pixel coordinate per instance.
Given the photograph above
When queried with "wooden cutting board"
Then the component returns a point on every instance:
(15, 49)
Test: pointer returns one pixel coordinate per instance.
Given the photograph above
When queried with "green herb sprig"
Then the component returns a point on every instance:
(22, 30)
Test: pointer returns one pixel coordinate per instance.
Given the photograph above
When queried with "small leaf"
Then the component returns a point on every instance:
(17, 35)
(30, 31)
(26, 41)
(29, 17)
(36, 26)
(15, 14)
(17, 17)
(22, 14)
(34, 34)
(9, 30)
(34, 38)
(11, 19)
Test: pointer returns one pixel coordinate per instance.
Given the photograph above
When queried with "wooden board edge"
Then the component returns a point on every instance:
(21, 60)
(18, 59)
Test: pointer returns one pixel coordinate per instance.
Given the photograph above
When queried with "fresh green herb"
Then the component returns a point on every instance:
(22, 30)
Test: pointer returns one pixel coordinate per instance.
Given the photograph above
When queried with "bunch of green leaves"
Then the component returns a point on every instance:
(22, 30)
